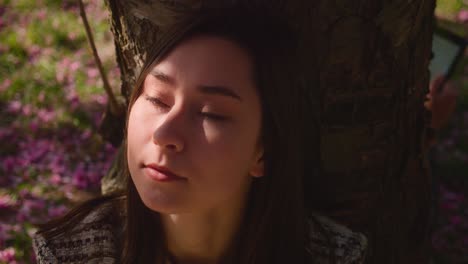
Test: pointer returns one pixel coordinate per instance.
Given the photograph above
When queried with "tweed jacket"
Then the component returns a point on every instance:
(94, 240)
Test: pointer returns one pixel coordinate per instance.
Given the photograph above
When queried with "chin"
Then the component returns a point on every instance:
(162, 203)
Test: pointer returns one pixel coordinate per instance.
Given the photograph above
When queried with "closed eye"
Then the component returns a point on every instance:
(214, 117)
(209, 115)
(156, 102)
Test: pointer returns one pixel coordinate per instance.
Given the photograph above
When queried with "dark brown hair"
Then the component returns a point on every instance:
(273, 229)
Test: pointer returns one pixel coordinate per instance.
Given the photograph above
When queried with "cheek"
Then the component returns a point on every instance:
(138, 133)
(226, 151)
(222, 173)
(139, 122)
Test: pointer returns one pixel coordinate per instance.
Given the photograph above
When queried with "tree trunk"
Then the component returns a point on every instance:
(367, 62)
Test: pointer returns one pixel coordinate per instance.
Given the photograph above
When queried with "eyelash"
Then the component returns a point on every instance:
(158, 103)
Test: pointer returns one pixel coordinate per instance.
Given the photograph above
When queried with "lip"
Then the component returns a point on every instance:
(161, 174)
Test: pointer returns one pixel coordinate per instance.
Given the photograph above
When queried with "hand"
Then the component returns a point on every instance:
(441, 102)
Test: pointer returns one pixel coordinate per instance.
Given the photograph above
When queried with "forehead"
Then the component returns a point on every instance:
(208, 60)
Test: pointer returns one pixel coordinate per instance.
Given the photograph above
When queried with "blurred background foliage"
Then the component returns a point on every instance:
(51, 104)
(450, 154)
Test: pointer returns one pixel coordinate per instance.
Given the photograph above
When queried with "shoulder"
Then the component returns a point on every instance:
(329, 241)
(91, 240)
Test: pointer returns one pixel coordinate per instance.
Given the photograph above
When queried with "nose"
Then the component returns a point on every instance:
(169, 133)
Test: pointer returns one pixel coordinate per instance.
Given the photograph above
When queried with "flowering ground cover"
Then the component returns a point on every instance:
(51, 103)
(52, 100)
(450, 166)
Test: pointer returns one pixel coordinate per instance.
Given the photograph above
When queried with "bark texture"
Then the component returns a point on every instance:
(367, 71)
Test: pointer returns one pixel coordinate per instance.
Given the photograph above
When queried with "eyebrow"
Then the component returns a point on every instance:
(161, 76)
(219, 90)
(206, 89)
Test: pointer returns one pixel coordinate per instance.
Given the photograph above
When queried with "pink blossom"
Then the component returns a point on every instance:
(61, 69)
(72, 35)
(73, 100)
(45, 115)
(5, 84)
(34, 51)
(36, 150)
(79, 178)
(42, 14)
(60, 75)
(463, 16)
(8, 255)
(27, 110)
(100, 99)
(56, 165)
(6, 201)
(14, 106)
(74, 66)
(86, 135)
(92, 73)
(55, 179)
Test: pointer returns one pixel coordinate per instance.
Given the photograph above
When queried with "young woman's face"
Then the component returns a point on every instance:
(194, 132)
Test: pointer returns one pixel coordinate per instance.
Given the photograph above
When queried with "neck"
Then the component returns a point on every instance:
(202, 237)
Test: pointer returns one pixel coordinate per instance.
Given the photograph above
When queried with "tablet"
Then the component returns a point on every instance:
(447, 50)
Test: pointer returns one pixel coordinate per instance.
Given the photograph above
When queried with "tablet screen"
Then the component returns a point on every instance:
(446, 52)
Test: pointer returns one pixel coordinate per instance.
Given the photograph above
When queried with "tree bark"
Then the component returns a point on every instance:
(367, 71)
